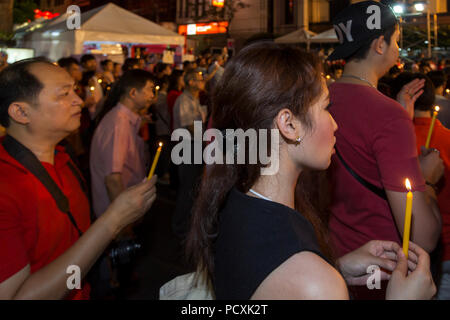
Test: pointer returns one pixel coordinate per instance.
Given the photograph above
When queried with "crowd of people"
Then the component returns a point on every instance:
(79, 137)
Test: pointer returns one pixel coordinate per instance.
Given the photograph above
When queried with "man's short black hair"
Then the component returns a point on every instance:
(87, 57)
(67, 62)
(129, 64)
(190, 75)
(438, 77)
(362, 52)
(18, 84)
(105, 62)
(160, 67)
(426, 100)
(134, 78)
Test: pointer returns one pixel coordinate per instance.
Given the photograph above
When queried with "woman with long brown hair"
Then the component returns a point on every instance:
(246, 236)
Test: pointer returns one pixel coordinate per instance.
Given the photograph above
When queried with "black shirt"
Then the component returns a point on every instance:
(255, 237)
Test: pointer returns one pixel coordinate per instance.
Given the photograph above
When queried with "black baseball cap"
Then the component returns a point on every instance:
(359, 24)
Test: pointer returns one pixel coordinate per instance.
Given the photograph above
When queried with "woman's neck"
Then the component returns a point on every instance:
(279, 187)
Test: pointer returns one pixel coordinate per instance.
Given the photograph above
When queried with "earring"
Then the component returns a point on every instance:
(298, 140)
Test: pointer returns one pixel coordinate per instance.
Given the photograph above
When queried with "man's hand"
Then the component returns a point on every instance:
(132, 204)
(409, 94)
(431, 164)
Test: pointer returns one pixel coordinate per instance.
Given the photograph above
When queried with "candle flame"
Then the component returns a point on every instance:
(160, 144)
(92, 88)
(448, 90)
(328, 76)
(408, 184)
(157, 87)
(436, 108)
(100, 80)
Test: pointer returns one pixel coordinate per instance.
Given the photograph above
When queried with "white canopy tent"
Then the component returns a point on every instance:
(298, 36)
(328, 36)
(109, 24)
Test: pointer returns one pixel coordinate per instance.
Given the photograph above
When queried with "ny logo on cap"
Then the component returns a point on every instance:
(372, 22)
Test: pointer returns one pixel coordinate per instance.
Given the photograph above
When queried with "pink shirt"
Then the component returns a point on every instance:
(376, 139)
(116, 148)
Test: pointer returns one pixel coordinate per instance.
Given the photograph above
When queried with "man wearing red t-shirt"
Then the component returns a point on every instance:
(41, 246)
(375, 139)
(440, 143)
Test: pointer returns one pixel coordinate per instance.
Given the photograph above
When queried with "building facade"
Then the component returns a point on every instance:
(276, 17)
(159, 11)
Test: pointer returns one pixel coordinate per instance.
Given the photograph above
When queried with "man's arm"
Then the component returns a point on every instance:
(426, 219)
(114, 185)
(50, 282)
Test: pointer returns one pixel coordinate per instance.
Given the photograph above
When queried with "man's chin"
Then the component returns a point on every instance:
(74, 126)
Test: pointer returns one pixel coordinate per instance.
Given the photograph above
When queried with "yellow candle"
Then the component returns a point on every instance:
(430, 132)
(408, 212)
(155, 161)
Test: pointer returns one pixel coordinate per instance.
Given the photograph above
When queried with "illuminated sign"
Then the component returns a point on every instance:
(218, 3)
(44, 14)
(203, 28)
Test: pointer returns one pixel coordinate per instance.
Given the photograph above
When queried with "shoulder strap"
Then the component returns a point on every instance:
(378, 191)
(32, 163)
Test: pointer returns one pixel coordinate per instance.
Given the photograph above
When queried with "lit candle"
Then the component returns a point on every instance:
(155, 161)
(408, 212)
(430, 132)
(328, 77)
(100, 80)
(92, 89)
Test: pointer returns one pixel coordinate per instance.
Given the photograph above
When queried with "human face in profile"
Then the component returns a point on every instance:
(57, 112)
(317, 146)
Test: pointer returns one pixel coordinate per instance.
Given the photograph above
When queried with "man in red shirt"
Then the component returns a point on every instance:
(439, 142)
(40, 244)
(375, 139)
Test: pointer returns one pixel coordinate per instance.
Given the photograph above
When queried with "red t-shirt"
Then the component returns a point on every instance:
(32, 229)
(440, 140)
(376, 139)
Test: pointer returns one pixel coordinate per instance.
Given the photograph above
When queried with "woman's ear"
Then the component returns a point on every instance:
(290, 127)
(19, 112)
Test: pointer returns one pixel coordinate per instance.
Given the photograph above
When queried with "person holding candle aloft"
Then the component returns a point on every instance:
(439, 148)
(439, 79)
(38, 107)
(118, 156)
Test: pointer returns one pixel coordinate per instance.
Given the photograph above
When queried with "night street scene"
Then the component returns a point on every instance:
(210, 151)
